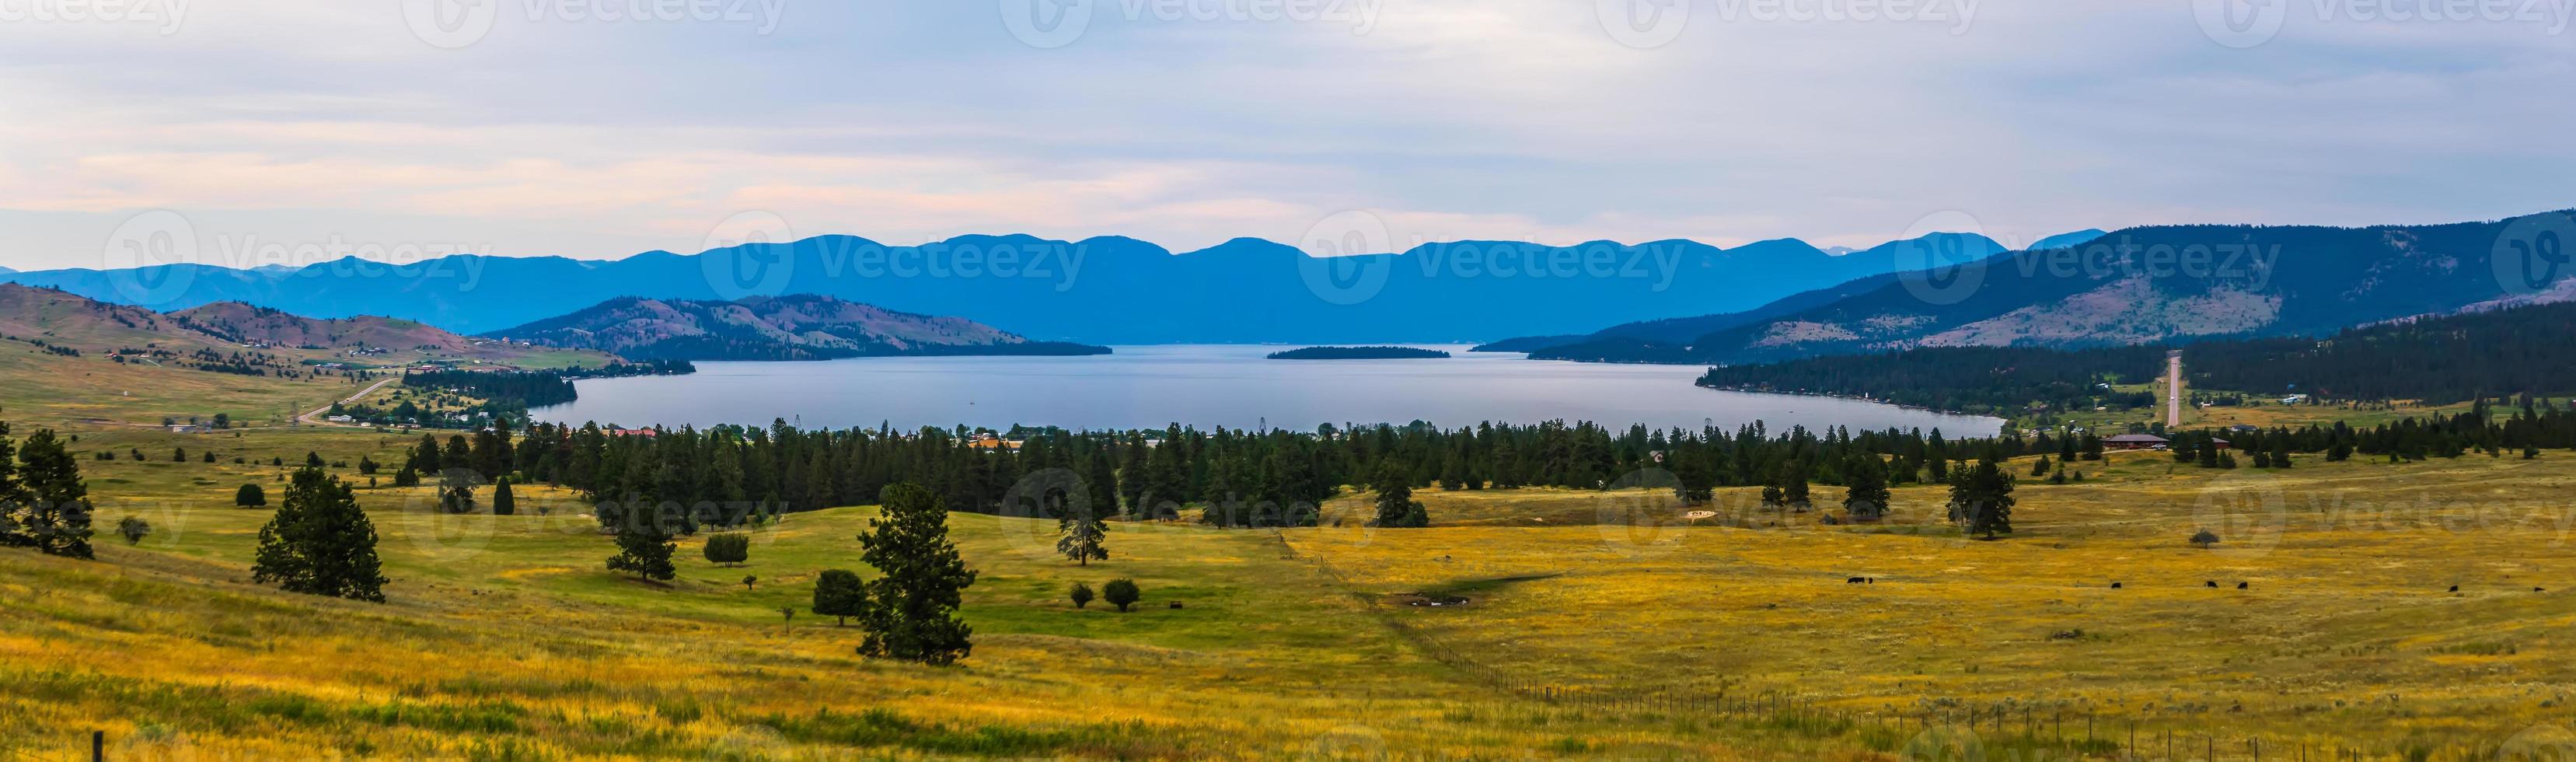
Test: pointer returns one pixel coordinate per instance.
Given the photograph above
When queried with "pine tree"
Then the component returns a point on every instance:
(915, 597)
(1866, 479)
(1395, 504)
(1981, 499)
(644, 543)
(320, 542)
(838, 593)
(503, 503)
(53, 507)
(1080, 529)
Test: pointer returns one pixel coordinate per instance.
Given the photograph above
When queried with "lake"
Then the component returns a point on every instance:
(1207, 386)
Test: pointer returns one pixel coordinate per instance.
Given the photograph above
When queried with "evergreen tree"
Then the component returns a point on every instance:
(644, 543)
(839, 594)
(1866, 481)
(915, 598)
(320, 542)
(503, 503)
(1981, 499)
(1080, 529)
(250, 496)
(727, 548)
(1395, 504)
(52, 510)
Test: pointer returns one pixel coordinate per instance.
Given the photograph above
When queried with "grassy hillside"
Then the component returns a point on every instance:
(505, 637)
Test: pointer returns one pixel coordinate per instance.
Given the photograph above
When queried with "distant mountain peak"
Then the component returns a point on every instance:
(783, 327)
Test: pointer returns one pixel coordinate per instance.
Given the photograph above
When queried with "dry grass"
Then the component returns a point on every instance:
(506, 639)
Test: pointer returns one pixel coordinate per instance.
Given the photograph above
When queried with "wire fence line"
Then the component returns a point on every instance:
(1996, 731)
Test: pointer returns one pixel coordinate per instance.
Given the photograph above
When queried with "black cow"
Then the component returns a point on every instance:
(1855, 580)
(2240, 585)
(2455, 588)
(2115, 585)
(2213, 584)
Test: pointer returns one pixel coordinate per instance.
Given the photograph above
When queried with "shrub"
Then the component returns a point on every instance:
(250, 496)
(728, 548)
(2204, 538)
(1122, 593)
(1081, 595)
(133, 529)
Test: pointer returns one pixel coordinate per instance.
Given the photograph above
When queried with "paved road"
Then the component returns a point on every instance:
(314, 418)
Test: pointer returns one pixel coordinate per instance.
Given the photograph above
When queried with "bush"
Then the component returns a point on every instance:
(133, 529)
(1081, 595)
(2204, 538)
(1122, 593)
(728, 548)
(250, 496)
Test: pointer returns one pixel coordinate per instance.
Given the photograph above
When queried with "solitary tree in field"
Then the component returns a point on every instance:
(1081, 595)
(1121, 593)
(747, 581)
(43, 501)
(503, 503)
(456, 491)
(250, 496)
(1981, 499)
(2204, 538)
(1080, 528)
(644, 544)
(728, 548)
(912, 614)
(133, 529)
(320, 542)
(839, 594)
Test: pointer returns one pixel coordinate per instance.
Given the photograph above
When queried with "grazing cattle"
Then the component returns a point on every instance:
(2538, 590)
(1873, 580)
(1176, 604)
(2213, 584)
(2455, 588)
(2115, 585)
(2240, 585)
(1855, 580)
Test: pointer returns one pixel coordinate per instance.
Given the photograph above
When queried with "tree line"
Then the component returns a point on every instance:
(2437, 360)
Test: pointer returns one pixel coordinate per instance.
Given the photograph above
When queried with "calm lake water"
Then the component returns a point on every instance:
(1208, 386)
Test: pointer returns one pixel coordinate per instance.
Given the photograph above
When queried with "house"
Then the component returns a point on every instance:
(2294, 399)
(341, 419)
(2135, 442)
(629, 432)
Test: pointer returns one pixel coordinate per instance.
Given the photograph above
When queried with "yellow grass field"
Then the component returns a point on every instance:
(1597, 625)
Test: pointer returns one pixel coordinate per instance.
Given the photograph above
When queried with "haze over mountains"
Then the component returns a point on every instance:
(802, 327)
(2131, 286)
(1099, 290)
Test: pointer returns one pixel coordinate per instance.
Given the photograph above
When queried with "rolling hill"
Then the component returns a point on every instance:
(2171, 283)
(800, 327)
(248, 335)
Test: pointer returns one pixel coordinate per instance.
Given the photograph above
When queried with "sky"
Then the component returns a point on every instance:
(263, 133)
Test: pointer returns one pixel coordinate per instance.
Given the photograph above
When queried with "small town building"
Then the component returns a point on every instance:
(2134, 442)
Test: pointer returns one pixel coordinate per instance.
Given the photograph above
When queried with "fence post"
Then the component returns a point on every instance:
(98, 746)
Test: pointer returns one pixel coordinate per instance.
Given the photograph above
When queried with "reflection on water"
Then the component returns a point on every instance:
(1208, 386)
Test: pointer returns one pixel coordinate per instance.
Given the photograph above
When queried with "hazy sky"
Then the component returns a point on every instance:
(599, 128)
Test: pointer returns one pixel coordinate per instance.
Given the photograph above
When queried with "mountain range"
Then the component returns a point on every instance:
(801, 327)
(1100, 290)
(2132, 286)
